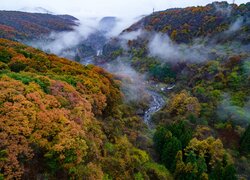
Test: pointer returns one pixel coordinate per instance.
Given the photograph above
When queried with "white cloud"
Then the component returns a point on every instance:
(162, 47)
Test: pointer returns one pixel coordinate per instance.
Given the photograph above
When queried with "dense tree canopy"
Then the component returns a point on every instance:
(60, 119)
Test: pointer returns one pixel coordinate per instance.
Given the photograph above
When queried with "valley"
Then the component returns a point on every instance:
(167, 97)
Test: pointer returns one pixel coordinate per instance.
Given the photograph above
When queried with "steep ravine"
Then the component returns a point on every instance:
(157, 99)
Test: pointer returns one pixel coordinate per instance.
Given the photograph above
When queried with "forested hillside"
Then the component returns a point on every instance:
(23, 26)
(184, 71)
(212, 24)
(60, 119)
(185, 24)
(202, 53)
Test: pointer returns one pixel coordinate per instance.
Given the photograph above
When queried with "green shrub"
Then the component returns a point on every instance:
(17, 66)
(5, 56)
(27, 78)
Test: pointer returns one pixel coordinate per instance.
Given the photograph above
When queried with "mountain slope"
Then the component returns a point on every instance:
(184, 25)
(58, 117)
(43, 31)
(200, 55)
(62, 120)
(176, 36)
(17, 25)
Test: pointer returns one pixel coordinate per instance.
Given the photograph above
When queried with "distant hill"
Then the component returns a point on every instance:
(34, 29)
(218, 22)
(107, 23)
(185, 24)
(21, 26)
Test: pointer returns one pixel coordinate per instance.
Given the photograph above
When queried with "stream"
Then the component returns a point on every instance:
(90, 59)
(157, 99)
(157, 103)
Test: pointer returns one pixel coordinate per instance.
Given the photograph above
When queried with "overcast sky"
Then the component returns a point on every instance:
(100, 8)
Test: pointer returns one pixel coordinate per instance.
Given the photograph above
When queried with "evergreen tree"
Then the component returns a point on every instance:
(169, 152)
(229, 173)
(159, 139)
(202, 167)
(245, 141)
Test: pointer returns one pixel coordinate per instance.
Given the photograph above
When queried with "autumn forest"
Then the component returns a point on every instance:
(166, 98)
